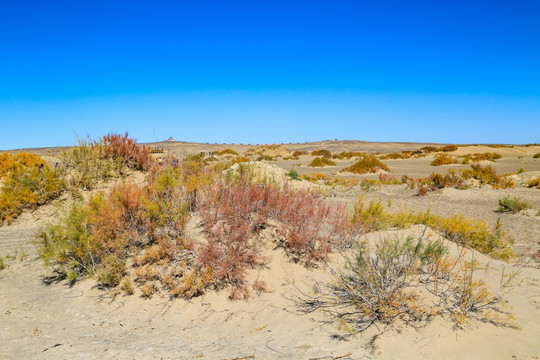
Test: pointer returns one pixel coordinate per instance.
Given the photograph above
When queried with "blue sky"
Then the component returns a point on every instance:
(270, 71)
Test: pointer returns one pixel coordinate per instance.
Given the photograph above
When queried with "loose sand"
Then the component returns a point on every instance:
(55, 321)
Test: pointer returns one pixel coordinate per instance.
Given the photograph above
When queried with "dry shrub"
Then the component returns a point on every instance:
(512, 205)
(428, 149)
(322, 162)
(136, 156)
(323, 153)
(349, 155)
(308, 228)
(448, 148)
(481, 157)
(226, 152)
(534, 183)
(144, 226)
(25, 185)
(299, 153)
(369, 164)
(394, 156)
(474, 234)
(444, 159)
(413, 280)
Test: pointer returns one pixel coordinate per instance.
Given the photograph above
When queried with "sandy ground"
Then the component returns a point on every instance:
(55, 321)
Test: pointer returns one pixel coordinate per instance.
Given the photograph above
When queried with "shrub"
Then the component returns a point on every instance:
(393, 156)
(136, 156)
(536, 156)
(444, 159)
(293, 175)
(512, 205)
(369, 164)
(226, 152)
(412, 280)
(26, 186)
(473, 234)
(448, 148)
(349, 155)
(428, 149)
(322, 162)
(323, 153)
(144, 226)
(299, 153)
(14, 163)
(481, 157)
(485, 174)
(535, 183)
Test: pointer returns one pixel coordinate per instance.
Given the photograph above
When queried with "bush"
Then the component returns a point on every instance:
(322, 162)
(393, 156)
(136, 156)
(481, 157)
(485, 174)
(348, 155)
(536, 156)
(27, 183)
(428, 149)
(412, 280)
(535, 183)
(369, 164)
(444, 159)
(293, 175)
(226, 152)
(144, 226)
(512, 205)
(473, 234)
(323, 153)
(448, 148)
(299, 153)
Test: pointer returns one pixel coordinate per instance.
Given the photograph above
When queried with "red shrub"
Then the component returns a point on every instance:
(137, 156)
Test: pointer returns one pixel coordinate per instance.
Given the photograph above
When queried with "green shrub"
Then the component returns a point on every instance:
(512, 205)
(474, 234)
(369, 164)
(293, 175)
(536, 156)
(322, 162)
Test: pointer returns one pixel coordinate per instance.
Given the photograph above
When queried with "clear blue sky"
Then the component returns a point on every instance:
(270, 71)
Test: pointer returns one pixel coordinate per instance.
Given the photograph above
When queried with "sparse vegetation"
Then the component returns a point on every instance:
(226, 152)
(413, 280)
(144, 226)
(534, 183)
(474, 234)
(28, 182)
(536, 156)
(323, 153)
(444, 159)
(369, 164)
(481, 157)
(322, 162)
(512, 205)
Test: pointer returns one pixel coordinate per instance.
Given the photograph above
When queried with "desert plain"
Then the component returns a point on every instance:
(42, 319)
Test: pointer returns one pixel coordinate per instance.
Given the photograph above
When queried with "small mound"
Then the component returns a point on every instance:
(269, 150)
(524, 178)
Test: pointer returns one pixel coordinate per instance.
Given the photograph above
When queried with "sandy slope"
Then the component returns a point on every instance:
(40, 321)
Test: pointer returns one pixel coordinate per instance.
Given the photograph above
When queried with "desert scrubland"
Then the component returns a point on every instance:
(325, 250)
